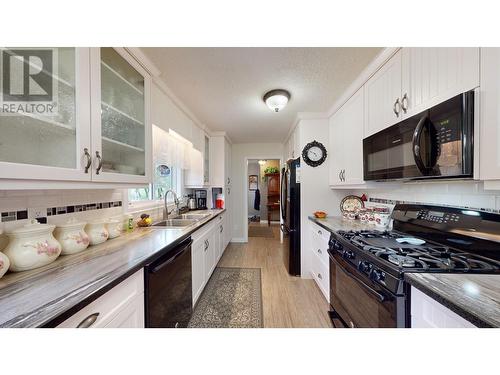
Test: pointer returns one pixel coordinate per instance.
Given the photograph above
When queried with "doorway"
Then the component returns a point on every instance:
(263, 195)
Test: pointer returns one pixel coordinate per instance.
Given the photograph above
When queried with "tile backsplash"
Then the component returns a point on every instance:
(57, 206)
(470, 194)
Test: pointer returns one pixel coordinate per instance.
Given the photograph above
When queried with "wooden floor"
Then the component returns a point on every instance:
(287, 301)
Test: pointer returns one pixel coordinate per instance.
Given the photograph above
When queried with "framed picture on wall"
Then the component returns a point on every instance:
(253, 182)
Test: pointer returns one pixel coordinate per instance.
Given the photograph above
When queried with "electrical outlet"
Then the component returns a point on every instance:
(34, 213)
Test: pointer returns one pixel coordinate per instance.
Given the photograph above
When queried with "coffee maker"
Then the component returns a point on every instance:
(201, 199)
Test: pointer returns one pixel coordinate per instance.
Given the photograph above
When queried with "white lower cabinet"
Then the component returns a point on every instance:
(120, 307)
(319, 258)
(207, 249)
(428, 313)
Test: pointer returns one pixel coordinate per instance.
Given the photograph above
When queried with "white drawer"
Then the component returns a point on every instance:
(110, 304)
(321, 232)
(320, 248)
(321, 275)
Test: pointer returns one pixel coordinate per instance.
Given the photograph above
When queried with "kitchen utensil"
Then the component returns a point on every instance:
(97, 231)
(72, 237)
(351, 203)
(410, 240)
(32, 246)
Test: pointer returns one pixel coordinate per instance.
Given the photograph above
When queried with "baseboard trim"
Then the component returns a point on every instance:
(238, 240)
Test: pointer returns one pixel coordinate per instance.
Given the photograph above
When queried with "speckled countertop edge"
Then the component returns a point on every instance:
(131, 254)
(475, 310)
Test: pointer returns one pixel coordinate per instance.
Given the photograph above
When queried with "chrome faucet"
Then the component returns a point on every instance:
(176, 202)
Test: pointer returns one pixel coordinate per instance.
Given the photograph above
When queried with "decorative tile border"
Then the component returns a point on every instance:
(394, 202)
(53, 211)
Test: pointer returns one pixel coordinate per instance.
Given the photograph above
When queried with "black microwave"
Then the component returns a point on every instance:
(437, 143)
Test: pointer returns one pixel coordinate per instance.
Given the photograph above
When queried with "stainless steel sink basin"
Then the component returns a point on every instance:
(196, 217)
(175, 223)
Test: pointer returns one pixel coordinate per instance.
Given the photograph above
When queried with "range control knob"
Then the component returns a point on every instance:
(364, 267)
(377, 275)
(348, 254)
(336, 245)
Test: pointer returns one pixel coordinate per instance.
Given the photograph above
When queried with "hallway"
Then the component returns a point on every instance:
(287, 301)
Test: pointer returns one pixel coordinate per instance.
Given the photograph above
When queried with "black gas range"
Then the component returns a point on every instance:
(367, 268)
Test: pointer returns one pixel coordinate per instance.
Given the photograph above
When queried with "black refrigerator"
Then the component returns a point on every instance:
(290, 214)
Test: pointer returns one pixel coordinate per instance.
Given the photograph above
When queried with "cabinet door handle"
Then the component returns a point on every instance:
(403, 100)
(99, 165)
(221, 229)
(396, 107)
(88, 321)
(343, 176)
(206, 245)
(89, 159)
(320, 232)
(340, 175)
(320, 277)
(319, 251)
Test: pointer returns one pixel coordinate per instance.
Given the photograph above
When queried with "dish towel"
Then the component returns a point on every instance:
(256, 203)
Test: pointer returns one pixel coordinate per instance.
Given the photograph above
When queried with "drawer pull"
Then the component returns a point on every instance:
(320, 277)
(320, 232)
(319, 251)
(88, 321)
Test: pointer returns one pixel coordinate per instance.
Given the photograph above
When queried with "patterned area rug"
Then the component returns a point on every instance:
(260, 231)
(231, 299)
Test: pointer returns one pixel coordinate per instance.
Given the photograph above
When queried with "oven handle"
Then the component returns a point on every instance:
(367, 287)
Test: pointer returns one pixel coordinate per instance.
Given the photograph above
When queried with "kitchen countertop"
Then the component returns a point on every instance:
(476, 298)
(336, 223)
(49, 295)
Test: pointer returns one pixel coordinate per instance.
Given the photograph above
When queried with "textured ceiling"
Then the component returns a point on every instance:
(223, 87)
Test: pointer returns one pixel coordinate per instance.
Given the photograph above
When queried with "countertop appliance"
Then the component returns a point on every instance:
(367, 268)
(192, 203)
(168, 288)
(201, 199)
(290, 214)
(437, 143)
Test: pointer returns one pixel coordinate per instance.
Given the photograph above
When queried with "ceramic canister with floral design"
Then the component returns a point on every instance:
(114, 227)
(72, 237)
(97, 231)
(4, 264)
(32, 246)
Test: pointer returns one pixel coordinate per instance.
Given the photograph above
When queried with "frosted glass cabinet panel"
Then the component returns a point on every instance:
(120, 130)
(51, 140)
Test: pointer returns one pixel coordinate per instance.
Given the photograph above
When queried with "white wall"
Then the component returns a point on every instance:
(242, 152)
(315, 193)
(469, 194)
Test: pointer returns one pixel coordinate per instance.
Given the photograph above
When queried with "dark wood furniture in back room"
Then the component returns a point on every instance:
(273, 194)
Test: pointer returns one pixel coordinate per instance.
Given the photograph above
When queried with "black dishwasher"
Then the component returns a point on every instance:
(168, 288)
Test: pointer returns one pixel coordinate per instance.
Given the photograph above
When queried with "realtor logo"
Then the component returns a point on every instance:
(28, 81)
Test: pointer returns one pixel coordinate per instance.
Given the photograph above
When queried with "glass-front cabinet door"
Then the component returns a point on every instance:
(45, 114)
(121, 131)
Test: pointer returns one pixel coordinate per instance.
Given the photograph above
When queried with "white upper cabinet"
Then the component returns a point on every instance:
(346, 143)
(121, 127)
(383, 97)
(490, 114)
(433, 75)
(51, 146)
(101, 131)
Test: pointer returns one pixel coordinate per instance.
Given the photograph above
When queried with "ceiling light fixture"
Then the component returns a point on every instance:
(277, 99)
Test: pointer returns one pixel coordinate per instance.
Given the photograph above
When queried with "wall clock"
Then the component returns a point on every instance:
(314, 154)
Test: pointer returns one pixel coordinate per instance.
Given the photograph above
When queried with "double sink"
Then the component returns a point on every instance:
(180, 221)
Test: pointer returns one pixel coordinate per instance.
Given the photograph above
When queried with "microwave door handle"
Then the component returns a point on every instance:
(416, 144)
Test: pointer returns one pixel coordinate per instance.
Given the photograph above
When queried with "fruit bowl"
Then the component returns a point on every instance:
(320, 214)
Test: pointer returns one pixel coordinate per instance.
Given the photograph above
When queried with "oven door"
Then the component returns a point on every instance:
(357, 301)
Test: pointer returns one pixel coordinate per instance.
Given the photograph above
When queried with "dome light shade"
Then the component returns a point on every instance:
(276, 100)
